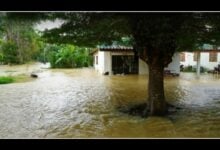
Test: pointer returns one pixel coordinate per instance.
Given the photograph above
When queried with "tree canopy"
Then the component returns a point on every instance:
(92, 28)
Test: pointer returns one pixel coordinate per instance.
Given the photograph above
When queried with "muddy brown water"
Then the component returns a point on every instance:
(81, 103)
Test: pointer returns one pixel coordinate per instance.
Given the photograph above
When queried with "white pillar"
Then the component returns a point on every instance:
(198, 63)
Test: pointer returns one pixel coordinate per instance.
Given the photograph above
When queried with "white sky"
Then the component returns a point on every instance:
(48, 25)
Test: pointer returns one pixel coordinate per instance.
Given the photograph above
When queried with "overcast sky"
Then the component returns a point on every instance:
(48, 25)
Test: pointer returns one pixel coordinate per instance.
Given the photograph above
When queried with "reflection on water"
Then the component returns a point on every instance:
(75, 103)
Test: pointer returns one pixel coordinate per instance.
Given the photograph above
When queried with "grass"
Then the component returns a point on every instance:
(10, 71)
(22, 78)
(15, 79)
(5, 79)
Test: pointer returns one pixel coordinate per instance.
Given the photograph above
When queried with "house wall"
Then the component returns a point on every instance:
(96, 66)
(143, 67)
(188, 59)
(100, 66)
(174, 66)
(204, 60)
(105, 62)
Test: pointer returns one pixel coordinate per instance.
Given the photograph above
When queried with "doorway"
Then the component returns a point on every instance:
(124, 64)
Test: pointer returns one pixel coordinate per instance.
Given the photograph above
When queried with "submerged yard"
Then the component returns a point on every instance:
(80, 103)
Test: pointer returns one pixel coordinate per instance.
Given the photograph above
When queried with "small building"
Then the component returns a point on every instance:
(121, 60)
(209, 57)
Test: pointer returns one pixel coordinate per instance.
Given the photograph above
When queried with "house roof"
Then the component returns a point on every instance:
(116, 48)
(93, 51)
(113, 49)
(207, 47)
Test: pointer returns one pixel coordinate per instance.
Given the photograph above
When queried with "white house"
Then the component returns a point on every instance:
(208, 58)
(118, 60)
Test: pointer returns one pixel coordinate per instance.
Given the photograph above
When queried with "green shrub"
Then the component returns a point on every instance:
(193, 69)
(10, 53)
(1, 58)
(189, 69)
(68, 56)
(203, 69)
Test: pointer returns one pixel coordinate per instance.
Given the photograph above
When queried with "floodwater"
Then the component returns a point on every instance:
(81, 103)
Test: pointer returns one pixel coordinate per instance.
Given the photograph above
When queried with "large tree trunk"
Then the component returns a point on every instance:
(155, 40)
(156, 60)
(156, 99)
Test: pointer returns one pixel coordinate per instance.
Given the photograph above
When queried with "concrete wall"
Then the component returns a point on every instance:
(107, 62)
(143, 67)
(188, 59)
(174, 66)
(96, 66)
(204, 60)
(104, 62)
(100, 66)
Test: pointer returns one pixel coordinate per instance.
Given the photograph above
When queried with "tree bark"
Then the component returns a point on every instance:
(157, 105)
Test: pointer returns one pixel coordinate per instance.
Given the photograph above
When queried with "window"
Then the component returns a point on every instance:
(182, 56)
(195, 55)
(96, 58)
(212, 57)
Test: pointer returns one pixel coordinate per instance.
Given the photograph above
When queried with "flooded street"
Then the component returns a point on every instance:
(81, 103)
